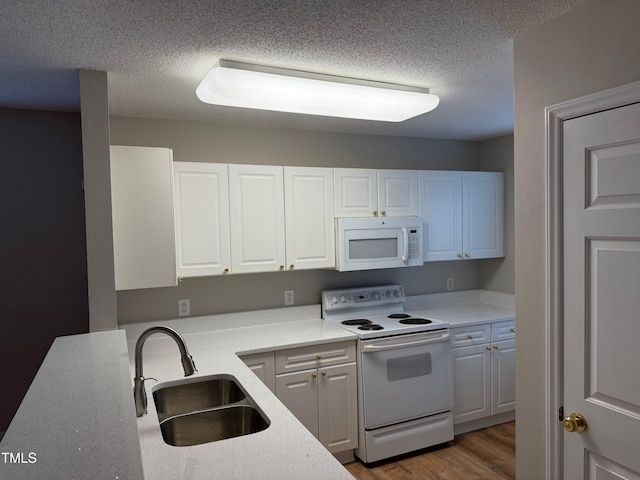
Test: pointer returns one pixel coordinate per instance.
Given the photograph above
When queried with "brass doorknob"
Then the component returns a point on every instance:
(575, 423)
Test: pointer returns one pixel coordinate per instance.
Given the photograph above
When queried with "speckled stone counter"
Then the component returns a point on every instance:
(77, 420)
(285, 450)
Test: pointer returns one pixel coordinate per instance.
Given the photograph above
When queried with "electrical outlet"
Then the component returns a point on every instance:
(450, 283)
(288, 297)
(184, 307)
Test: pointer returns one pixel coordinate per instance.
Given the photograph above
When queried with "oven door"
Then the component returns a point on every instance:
(405, 377)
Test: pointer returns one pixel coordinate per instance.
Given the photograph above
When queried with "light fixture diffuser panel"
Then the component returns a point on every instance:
(248, 86)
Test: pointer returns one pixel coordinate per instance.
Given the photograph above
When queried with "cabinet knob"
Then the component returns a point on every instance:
(460, 255)
(291, 266)
(314, 376)
(179, 279)
(323, 373)
(488, 347)
(469, 337)
(495, 347)
(281, 267)
(374, 213)
(467, 255)
(226, 270)
(513, 330)
(318, 357)
(383, 213)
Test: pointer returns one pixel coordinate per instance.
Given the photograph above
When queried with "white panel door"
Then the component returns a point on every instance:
(298, 392)
(397, 193)
(256, 199)
(471, 382)
(263, 365)
(337, 407)
(503, 376)
(483, 214)
(356, 192)
(440, 194)
(601, 201)
(202, 218)
(309, 224)
(143, 217)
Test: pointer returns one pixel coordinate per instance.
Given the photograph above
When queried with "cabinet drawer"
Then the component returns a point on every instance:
(314, 356)
(503, 331)
(470, 335)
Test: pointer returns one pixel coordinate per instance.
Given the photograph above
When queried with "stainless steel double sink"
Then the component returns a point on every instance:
(202, 410)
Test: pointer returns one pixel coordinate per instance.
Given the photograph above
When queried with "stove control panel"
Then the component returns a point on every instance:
(362, 297)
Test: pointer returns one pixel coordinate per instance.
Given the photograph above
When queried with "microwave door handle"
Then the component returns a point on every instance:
(405, 244)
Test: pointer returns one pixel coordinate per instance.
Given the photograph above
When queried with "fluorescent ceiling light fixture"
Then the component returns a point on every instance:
(235, 84)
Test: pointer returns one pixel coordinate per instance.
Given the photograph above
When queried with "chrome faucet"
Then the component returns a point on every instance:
(139, 394)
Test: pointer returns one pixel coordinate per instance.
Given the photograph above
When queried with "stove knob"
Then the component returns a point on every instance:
(343, 299)
(388, 293)
(376, 296)
(396, 293)
(334, 299)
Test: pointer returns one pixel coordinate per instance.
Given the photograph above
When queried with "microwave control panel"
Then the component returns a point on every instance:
(414, 244)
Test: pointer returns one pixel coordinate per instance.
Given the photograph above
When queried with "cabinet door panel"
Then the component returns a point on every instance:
(397, 192)
(503, 377)
(298, 391)
(337, 407)
(440, 195)
(483, 222)
(257, 218)
(263, 365)
(310, 239)
(471, 383)
(202, 218)
(143, 217)
(356, 192)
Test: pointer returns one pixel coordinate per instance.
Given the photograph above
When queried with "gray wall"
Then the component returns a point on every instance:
(595, 47)
(205, 142)
(42, 241)
(498, 274)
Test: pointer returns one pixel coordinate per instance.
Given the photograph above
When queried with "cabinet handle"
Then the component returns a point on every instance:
(374, 213)
(488, 347)
(281, 267)
(460, 255)
(513, 330)
(469, 337)
(383, 213)
(226, 270)
(495, 347)
(180, 279)
(314, 376)
(323, 373)
(318, 357)
(291, 266)
(467, 255)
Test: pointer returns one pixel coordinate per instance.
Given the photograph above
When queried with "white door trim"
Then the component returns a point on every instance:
(555, 115)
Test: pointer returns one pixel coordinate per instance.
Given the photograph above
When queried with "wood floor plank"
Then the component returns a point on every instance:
(486, 454)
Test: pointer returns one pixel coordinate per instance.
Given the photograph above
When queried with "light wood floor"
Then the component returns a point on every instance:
(485, 454)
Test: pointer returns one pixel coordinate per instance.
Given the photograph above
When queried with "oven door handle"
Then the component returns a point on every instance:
(368, 348)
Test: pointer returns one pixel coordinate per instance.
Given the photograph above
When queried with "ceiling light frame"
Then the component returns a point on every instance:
(244, 85)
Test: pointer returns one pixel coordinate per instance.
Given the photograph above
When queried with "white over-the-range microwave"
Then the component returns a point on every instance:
(378, 242)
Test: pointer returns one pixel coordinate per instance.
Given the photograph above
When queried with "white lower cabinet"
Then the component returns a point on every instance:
(483, 359)
(323, 397)
(263, 365)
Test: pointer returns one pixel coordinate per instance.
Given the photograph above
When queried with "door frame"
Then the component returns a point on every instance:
(555, 115)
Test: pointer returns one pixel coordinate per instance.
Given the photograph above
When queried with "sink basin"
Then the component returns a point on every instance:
(202, 410)
(187, 397)
(213, 425)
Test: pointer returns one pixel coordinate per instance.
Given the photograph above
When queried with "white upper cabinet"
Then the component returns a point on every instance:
(202, 219)
(256, 198)
(397, 193)
(463, 214)
(356, 192)
(142, 215)
(361, 192)
(310, 239)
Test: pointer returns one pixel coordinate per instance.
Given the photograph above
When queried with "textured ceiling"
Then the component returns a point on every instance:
(157, 51)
